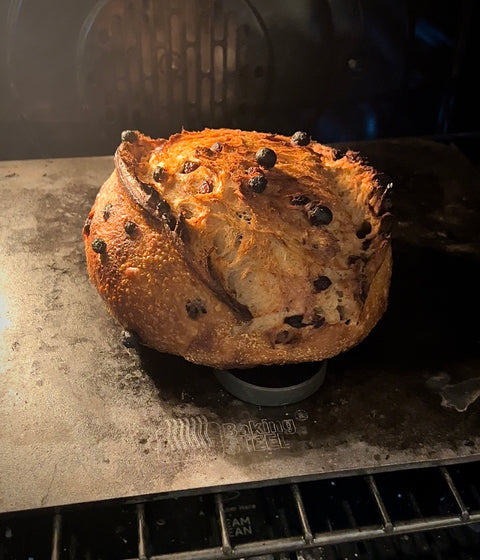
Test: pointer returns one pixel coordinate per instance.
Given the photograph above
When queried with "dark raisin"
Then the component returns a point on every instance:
(151, 193)
(299, 200)
(153, 197)
(266, 157)
(295, 321)
(364, 229)
(217, 147)
(258, 183)
(203, 151)
(86, 227)
(130, 339)
(205, 187)
(322, 283)
(301, 139)
(163, 207)
(386, 225)
(353, 259)
(130, 227)
(129, 136)
(366, 244)
(195, 308)
(145, 187)
(99, 245)
(107, 211)
(190, 166)
(317, 214)
(159, 173)
(170, 220)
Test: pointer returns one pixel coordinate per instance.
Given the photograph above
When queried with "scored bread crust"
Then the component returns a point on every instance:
(196, 263)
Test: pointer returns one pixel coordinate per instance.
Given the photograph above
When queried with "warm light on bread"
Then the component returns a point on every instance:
(234, 249)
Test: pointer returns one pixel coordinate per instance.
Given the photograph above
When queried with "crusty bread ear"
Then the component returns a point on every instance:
(235, 248)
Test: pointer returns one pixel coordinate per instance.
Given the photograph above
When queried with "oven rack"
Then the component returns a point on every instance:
(303, 520)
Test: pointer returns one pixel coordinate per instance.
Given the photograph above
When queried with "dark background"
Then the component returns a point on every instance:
(74, 74)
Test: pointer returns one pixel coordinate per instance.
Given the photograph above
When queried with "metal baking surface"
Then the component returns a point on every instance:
(84, 419)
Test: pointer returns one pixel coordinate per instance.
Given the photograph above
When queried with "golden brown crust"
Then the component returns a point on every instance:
(199, 264)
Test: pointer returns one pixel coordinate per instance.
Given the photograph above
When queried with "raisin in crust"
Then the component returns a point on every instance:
(235, 260)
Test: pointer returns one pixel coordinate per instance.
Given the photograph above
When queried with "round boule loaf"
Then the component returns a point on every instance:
(234, 248)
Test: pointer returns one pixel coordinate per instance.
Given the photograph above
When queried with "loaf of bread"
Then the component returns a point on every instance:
(235, 249)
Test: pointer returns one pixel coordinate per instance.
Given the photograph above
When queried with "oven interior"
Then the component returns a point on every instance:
(391, 79)
(74, 74)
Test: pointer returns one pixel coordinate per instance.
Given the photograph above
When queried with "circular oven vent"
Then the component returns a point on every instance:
(173, 63)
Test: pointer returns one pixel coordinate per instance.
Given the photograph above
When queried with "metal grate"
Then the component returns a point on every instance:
(194, 63)
(321, 519)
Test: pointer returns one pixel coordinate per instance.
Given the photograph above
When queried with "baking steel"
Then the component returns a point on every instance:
(83, 419)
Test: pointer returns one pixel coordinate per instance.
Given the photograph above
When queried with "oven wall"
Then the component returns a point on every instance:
(74, 74)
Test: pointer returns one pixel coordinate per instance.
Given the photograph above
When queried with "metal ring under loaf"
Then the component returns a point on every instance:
(271, 396)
